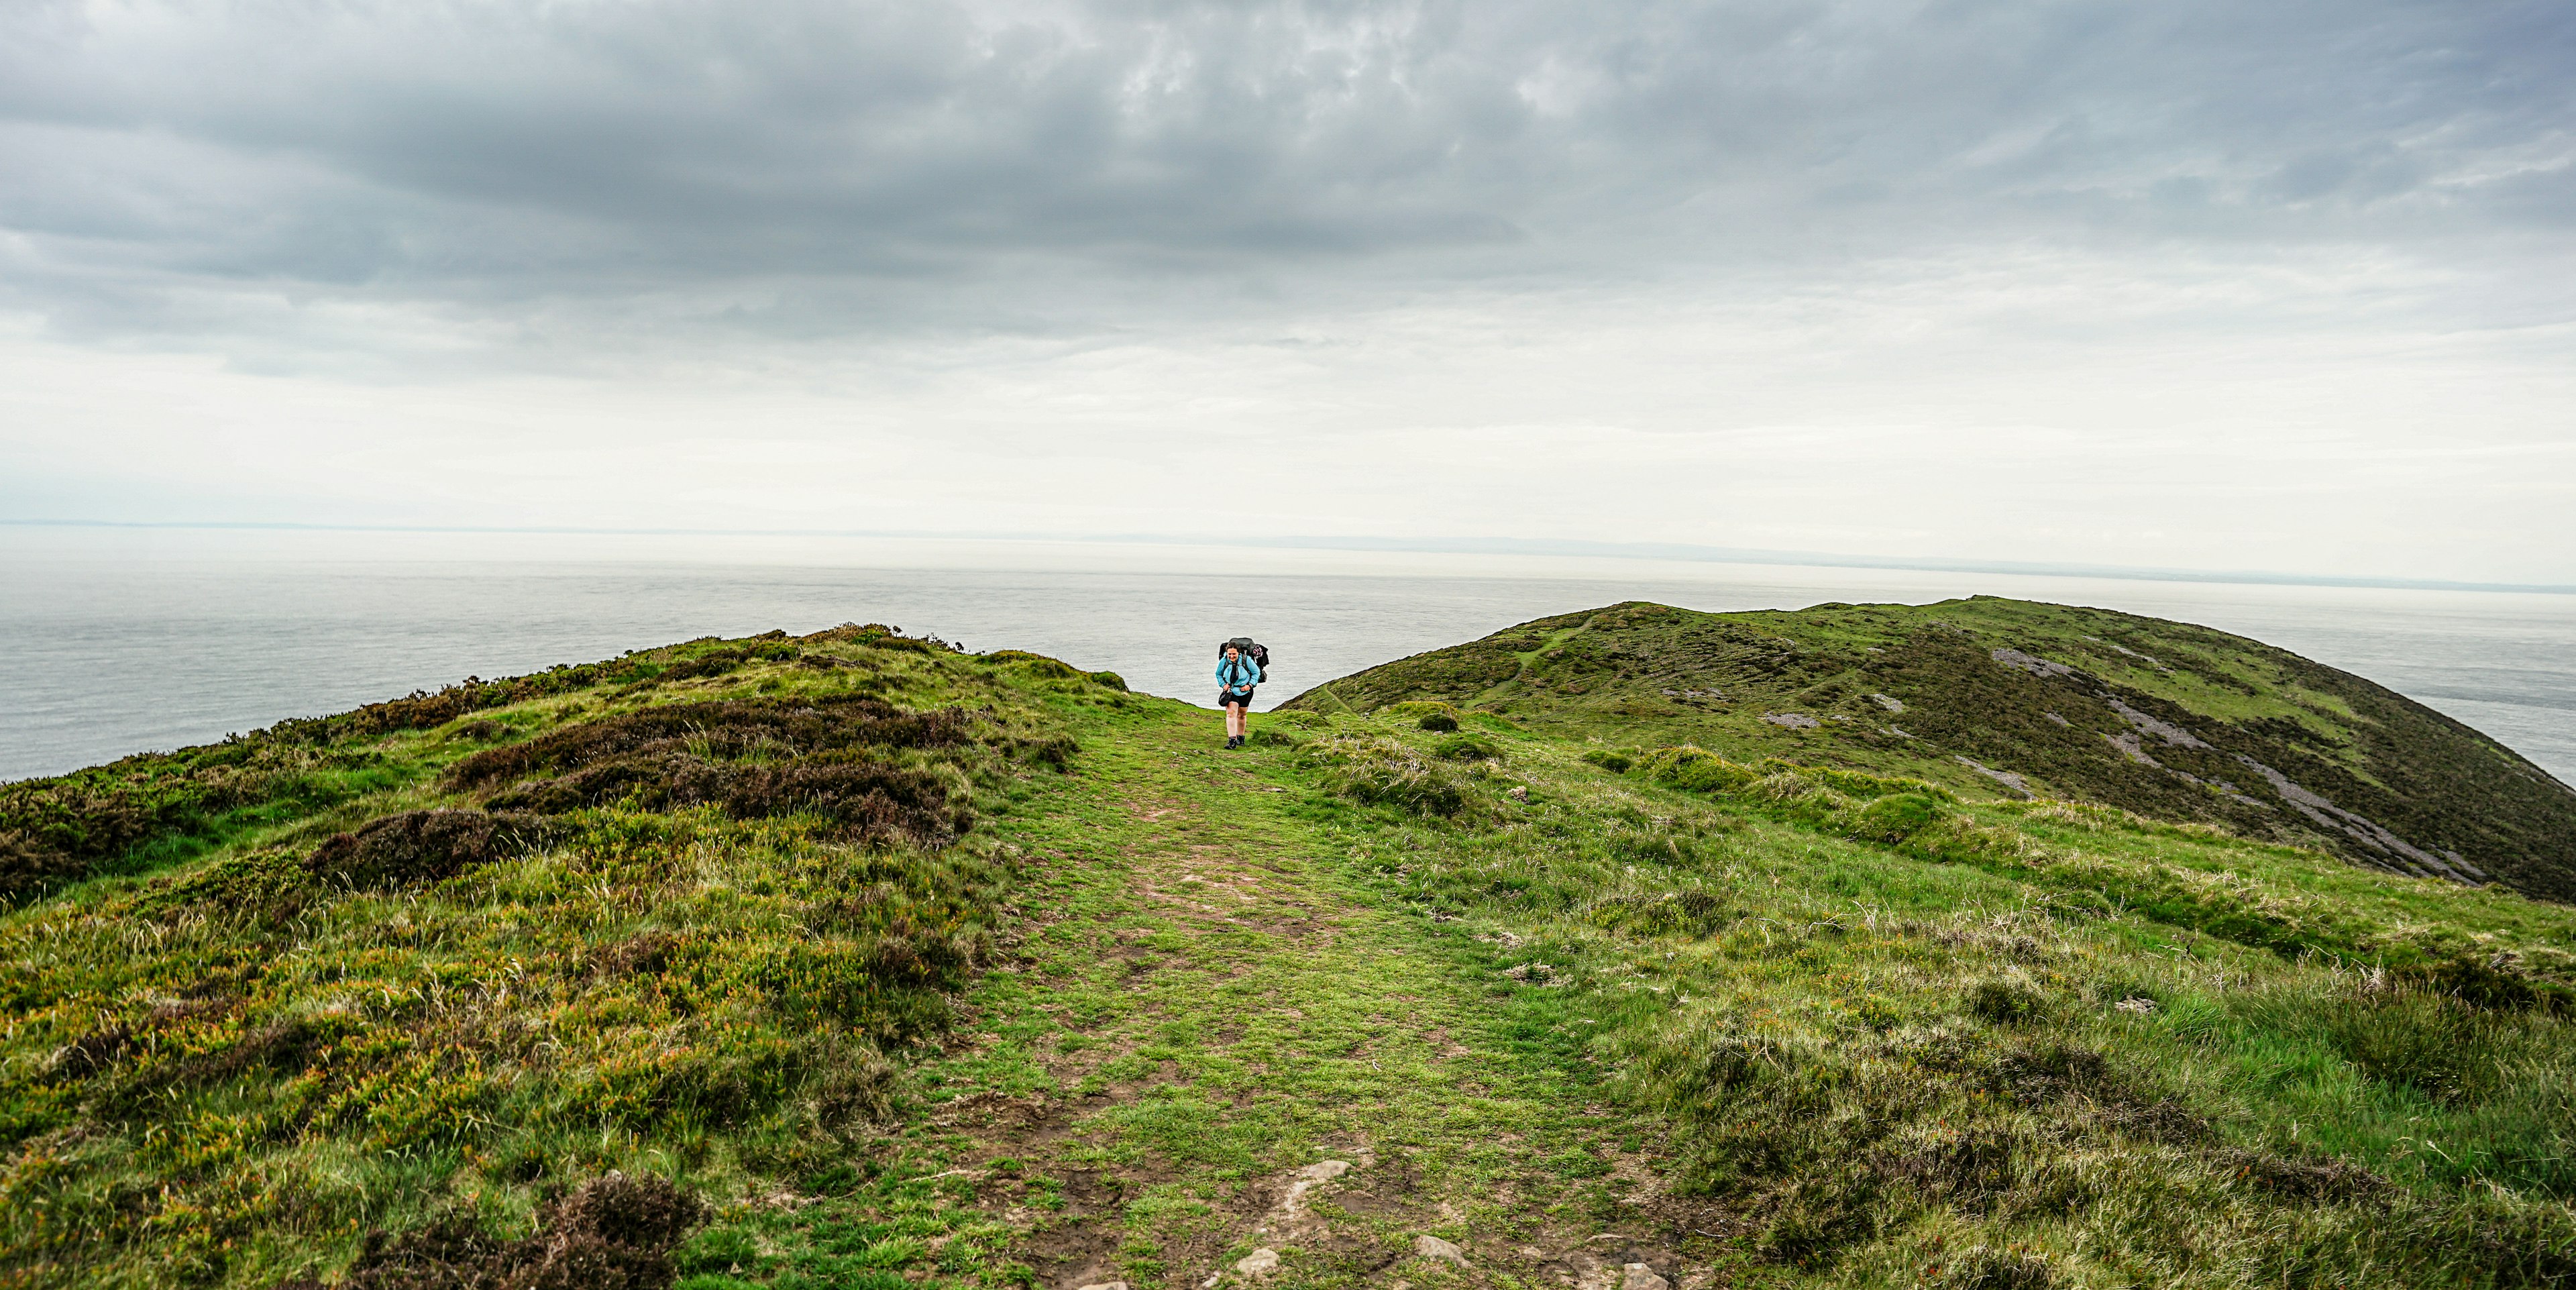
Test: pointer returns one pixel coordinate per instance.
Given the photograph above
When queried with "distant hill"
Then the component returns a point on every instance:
(2007, 697)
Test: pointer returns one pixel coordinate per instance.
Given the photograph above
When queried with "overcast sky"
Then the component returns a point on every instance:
(2195, 283)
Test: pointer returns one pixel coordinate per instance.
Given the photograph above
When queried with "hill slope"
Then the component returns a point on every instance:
(855, 961)
(2172, 721)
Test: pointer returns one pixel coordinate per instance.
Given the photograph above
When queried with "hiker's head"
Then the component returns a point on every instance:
(1232, 652)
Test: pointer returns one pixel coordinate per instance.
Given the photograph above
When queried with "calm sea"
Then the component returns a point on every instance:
(106, 655)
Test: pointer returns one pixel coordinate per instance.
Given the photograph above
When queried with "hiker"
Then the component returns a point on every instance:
(1236, 674)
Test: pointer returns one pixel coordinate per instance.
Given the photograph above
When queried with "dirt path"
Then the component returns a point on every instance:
(1214, 1063)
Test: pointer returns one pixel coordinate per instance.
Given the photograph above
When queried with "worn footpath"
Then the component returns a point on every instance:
(1209, 1060)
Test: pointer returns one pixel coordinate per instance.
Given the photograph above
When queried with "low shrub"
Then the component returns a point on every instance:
(1615, 763)
(614, 1233)
(60, 830)
(864, 799)
(753, 760)
(900, 644)
(1466, 748)
(1438, 721)
(1038, 665)
(422, 847)
(726, 728)
(28, 864)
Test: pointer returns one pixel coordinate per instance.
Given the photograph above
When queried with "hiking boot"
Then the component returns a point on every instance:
(1233, 742)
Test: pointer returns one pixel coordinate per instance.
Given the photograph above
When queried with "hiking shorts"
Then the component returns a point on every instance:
(1224, 697)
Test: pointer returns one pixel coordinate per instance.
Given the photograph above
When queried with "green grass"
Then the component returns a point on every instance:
(1748, 1022)
(224, 1071)
(2144, 1055)
(1919, 691)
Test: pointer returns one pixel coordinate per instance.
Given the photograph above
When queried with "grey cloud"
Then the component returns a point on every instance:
(819, 166)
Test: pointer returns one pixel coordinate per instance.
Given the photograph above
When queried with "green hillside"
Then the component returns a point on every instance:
(1990, 696)
(853, 960)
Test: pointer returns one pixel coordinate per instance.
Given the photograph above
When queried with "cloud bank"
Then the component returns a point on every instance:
(2266, 279)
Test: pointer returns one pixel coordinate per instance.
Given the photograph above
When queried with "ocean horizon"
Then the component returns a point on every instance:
(108, 651)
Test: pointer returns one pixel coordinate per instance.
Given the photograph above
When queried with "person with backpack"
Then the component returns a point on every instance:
(1240, 665)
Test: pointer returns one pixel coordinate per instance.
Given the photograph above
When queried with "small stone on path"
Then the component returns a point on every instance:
(1591, 1273)
(1323, 1169)
(1432, 1247)
(1637, 1276)
(1258, 1263)
(1106, 1285)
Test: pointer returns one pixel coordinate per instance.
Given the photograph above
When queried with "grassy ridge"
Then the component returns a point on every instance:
(683, 954)
(854, 961)
(2163, 719)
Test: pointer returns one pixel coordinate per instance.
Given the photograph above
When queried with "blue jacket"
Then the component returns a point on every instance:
(1237, 673)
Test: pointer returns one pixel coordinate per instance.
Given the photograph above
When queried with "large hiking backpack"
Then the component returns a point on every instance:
(1252, 649)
